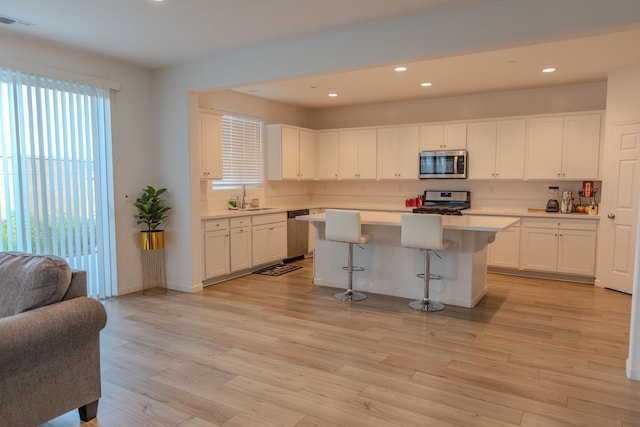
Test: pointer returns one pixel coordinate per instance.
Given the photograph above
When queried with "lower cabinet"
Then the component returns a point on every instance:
(233, 246)
(505, 249)
(240, 244)
(216, 248)
(559, 245)
(269, 238)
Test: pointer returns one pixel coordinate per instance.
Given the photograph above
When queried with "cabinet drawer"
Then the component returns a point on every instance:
(245, 221)
(578, 224)
(565, 224)
(269, 218)
(216, 224)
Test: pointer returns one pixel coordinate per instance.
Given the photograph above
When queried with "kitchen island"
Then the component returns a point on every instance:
(391, 269)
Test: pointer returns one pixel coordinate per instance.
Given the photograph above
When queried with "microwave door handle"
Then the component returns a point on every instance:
(455, 165)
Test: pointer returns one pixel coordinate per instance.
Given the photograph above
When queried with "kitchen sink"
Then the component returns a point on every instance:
(255, 209)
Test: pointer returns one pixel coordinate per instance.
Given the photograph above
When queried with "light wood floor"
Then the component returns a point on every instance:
(276, 351)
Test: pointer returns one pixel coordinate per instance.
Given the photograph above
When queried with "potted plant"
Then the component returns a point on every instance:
(151, 212)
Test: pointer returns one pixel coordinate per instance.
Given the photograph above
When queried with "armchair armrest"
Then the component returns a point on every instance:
(47, 327)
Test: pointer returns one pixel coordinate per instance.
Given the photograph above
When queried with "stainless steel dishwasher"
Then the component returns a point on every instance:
(297, 234)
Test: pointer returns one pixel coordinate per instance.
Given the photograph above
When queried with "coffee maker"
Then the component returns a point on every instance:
(552, 204)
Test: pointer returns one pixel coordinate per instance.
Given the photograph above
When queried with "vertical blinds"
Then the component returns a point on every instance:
(241, 151)
(55, 173)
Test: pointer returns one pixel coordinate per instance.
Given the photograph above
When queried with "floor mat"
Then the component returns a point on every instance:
(278, 270)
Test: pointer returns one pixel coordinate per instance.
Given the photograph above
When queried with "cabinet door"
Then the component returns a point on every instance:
(210, 146)
(581, 147)
(544, 148)
(327, 155)
(240, 248)
(505, 249)
(277, 241)
(290, 141)
(455, 136)
(348, 154)
(431, 137)
(307, 155)
(408, 152)
(260, 244)
(216, 253)
(577, 252)
(481, 146)
(510, 148)
(367, 149)
(388, 148)
(539, 249)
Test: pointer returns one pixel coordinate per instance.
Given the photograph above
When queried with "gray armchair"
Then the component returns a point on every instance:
(49, 340)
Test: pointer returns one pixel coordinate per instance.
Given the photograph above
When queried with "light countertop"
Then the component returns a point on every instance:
(451, 222)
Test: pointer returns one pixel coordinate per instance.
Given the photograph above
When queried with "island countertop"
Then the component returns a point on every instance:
(451, 222)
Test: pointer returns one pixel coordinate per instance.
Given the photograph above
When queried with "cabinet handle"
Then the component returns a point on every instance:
(611, 216)
(558, 174)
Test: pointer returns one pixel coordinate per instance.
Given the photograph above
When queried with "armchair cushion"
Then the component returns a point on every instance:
(30, 281)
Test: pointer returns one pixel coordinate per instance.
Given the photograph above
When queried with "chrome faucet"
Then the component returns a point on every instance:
(244, 197)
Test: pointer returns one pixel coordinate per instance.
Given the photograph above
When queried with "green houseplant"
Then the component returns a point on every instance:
(152, 211)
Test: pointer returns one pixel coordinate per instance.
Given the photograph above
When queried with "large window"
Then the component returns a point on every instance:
(241, 151)
(55, 173)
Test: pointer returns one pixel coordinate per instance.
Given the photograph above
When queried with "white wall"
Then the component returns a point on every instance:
(132, 131)
(479, 106)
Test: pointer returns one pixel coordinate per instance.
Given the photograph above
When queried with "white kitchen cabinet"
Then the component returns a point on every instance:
(559, 245)
(327, 155)
(448, 136)
(290, 153)
(357, 154)
(564, 147)
(505, 249)
(398, 150)
(269, 238)
(210, 145)
(216, 248)
(240, 244)
(496, 149)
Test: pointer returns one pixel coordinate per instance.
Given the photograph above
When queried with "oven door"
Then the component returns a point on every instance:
(443, 164)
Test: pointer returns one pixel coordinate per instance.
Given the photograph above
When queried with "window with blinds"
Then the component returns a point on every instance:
(241, 151)
(56, 174)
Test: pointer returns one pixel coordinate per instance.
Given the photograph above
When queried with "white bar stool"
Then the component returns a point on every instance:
(344, 226)
(424, 231)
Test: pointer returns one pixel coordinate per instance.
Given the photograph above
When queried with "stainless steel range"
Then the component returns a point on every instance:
(444, 202)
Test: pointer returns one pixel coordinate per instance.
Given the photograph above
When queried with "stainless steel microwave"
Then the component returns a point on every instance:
(443, 164)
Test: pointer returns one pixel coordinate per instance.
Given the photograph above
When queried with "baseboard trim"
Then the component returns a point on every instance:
(590, 280)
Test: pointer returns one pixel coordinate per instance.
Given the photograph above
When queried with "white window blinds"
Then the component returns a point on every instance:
(55, 173)
(241, 151)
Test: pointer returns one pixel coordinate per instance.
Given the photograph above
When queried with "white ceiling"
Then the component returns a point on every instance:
(156, 35)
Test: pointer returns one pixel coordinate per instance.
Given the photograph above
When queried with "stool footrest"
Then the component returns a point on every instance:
(354, 268)
(431, 276)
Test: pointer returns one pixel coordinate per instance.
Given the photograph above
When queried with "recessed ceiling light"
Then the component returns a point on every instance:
(333, 95)
(401, 68)
(425, 84)
(548, 70)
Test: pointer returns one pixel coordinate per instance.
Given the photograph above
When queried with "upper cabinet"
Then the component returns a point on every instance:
(448, 136)
(564, 147)
(398, 150)
(327, 154)
(290, 152)
(496, 149)
(210, 125)
(357, 154)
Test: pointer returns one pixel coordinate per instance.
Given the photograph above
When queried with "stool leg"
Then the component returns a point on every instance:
(349, 295)
(426, 304)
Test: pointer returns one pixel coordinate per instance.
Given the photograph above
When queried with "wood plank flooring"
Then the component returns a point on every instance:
(277, 351)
